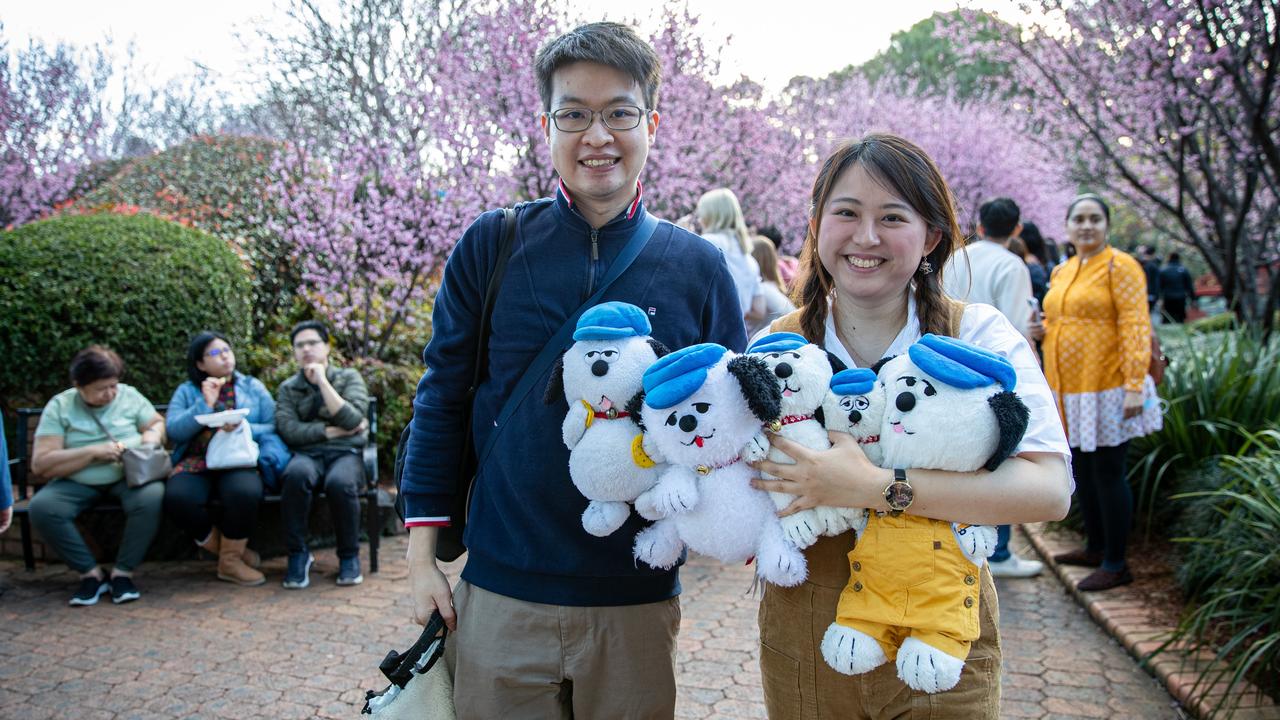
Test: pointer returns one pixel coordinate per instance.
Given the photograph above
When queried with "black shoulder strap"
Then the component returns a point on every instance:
(491, 297)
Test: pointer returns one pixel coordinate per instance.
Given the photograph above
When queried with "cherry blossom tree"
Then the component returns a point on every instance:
(1172, 106)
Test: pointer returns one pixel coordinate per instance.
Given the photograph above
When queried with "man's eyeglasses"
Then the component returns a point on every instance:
(307, 343)
(219, 351)
(614, 117)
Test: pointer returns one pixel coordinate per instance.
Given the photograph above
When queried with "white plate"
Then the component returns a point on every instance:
(218, 419)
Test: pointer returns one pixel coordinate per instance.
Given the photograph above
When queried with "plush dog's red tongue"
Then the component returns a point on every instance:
(697, 440)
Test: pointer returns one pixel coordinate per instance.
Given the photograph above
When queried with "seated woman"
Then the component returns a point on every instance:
(74, 445)
(214, 385)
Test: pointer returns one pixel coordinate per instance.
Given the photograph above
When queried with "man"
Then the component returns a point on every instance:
(1176, 287)
(320, 415)
(987, 272)
(550, 621)
(1151, 266)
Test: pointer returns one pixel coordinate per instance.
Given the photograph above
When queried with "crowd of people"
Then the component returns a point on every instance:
(308, 437)
(558, 623)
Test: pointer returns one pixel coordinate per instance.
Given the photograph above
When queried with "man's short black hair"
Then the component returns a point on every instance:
(1174, 257)
(310, 325)
(999, 217)
(606, 43)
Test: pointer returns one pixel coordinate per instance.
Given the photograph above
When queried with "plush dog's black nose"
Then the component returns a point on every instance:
(599, 368)
(906, 401)
(783, 370)
(688, 423)
(855, 417)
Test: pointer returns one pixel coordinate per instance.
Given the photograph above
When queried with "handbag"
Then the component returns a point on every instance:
(230, 449)
(145, 463)
(421, 685)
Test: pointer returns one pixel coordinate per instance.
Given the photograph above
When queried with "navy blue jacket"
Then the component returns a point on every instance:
(524, 531)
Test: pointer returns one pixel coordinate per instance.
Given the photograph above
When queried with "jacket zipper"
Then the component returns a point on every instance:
(595, 257)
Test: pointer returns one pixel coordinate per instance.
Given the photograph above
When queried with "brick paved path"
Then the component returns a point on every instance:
(195, 647)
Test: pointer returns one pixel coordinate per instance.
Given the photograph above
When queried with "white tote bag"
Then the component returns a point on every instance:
(233, 449)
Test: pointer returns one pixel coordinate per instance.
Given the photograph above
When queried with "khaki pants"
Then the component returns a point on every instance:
(513, 659)
(799, 685)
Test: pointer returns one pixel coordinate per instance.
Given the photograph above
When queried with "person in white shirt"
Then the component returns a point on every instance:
(988, 272)
(720, 217)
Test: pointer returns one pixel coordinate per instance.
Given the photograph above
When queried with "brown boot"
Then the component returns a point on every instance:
(231, 565)
(213, 544)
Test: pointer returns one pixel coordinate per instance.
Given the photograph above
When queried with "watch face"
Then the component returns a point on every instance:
(899, 495)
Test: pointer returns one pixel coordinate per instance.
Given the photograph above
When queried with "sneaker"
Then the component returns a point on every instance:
(91, 588)
(1015, 567)
(123, 590)
(298, 575)
(1104, 580)
(349, 571)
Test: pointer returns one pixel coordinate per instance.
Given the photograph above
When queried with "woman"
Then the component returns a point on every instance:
(214, 385)
(1037, 260)
(776, 303)
(1096, 351)
(883, 223)
(720, 218)
(82, 434)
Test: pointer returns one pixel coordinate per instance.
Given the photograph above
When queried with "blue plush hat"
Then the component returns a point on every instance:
(961, 364)
(612, 320)
(854, 381)
(678, 375)
(778, 342)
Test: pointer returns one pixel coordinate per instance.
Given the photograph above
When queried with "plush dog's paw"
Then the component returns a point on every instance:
(857, 519)
(574, 425)
(673, 496)
(850, 651)
(657, 547)
(832, 521)
(604, 518)
(926, 668)
(977, 542)
(646, 507)
(785, 568)
(802, 528)
(757, 448)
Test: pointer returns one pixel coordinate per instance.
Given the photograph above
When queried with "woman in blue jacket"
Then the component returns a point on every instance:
(214, 385)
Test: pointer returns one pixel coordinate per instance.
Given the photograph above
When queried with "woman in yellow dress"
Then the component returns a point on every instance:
(1096, 350)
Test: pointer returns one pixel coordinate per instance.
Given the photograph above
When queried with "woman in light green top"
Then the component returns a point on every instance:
(72, 447)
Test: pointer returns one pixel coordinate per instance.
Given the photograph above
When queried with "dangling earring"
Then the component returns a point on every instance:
(925, 266)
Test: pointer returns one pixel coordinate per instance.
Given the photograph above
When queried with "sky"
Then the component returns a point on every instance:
(772, 40)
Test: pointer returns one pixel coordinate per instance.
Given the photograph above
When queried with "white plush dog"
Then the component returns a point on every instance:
(914, 583)
(855, 406)
(803, 373)
(704, 408)
(598, 375)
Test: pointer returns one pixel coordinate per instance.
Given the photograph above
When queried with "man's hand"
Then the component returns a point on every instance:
(6, 517)
(1036, 327)
(210, 389)
(333, 432)
(315, 374)
(428, 586)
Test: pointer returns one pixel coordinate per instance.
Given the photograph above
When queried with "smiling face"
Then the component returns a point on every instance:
(803, 376)
(1087, 228)
(870, 240)
(598, 165)
(606, 373)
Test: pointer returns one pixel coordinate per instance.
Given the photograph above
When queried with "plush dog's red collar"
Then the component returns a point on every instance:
(610, 414)
(708, 469)
(790, 419)
(869, 440)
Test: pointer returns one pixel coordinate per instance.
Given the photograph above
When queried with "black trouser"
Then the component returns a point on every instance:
(1175, 309)
(1106, 501)
(240, 492)
(342, 472)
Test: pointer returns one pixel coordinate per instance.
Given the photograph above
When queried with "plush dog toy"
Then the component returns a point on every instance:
(803, 372)
(704, 408)
(914, 582)
(598, 375)
(855, 406)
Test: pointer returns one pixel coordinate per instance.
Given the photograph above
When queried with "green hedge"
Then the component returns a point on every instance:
(138, 284)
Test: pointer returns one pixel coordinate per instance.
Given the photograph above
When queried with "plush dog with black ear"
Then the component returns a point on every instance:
(598, 376)
(704, 409)
(803, 372)
(914, 586)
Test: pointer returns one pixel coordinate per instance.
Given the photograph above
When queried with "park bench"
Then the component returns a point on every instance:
(27, 483)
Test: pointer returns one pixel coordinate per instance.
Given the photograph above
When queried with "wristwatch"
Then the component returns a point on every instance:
(898, 494)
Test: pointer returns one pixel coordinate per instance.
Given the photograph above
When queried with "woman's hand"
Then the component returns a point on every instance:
(839, 477)
(107, 452)
(231, 426)
(210, 389)
(1132, 404)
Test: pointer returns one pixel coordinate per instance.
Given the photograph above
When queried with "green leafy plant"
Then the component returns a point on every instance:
(137, 283)
(1232, 572)
(1219, 390)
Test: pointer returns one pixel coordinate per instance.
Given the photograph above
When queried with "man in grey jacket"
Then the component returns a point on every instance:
(320, 415)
